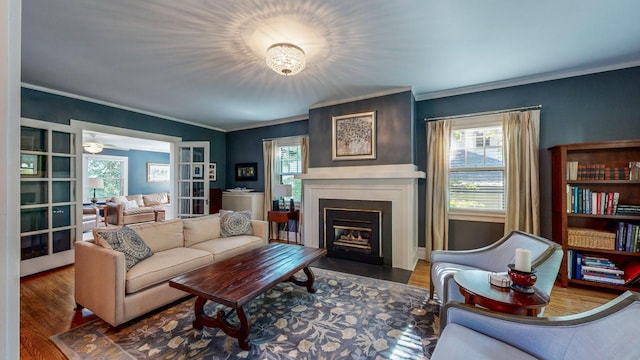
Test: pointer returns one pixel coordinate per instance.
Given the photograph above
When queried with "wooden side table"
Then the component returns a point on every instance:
(476, 289)
(283, 217)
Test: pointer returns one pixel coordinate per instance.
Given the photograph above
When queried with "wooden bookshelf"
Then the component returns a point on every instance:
(612, 154)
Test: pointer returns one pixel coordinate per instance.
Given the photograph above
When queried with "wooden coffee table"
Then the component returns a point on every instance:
(476, 289)
(236, 281)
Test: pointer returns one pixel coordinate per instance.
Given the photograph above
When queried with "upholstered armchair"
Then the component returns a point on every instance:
(606, 332)
(546, 257)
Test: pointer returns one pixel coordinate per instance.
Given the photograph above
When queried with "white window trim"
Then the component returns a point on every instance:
(494, 216)
(85, 177)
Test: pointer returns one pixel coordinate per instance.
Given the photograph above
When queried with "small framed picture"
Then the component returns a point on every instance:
(247, 172)
(198, 171)
(212, 172)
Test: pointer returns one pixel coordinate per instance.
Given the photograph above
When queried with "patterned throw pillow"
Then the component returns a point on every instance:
(127, 241)
(234, 223)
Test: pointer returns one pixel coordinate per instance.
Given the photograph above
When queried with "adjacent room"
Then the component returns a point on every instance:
(301, 179)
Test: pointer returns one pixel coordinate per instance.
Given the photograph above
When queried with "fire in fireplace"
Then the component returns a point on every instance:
(349, 238)
(353, 230)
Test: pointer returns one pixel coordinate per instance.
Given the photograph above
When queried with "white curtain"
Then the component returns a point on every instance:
(304, 154)
(437, 218)
(521, 131)
(269, 156)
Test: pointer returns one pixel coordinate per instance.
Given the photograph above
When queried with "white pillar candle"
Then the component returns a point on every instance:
(523, 260)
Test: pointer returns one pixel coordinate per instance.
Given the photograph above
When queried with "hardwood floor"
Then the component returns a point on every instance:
(47, 307)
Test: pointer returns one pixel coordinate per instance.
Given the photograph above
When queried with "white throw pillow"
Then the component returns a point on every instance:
(131, 204)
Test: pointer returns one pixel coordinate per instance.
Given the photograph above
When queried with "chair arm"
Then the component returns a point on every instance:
(476, 258)
(100, 281)
(115, 213)
(260, 229)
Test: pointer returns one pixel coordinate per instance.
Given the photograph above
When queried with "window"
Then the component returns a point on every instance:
(288, 164)
(112, 169)
(476, 167)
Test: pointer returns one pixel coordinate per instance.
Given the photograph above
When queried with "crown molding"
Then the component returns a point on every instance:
(272, 122)
(362, 97)
(524, 81)
(114, 105)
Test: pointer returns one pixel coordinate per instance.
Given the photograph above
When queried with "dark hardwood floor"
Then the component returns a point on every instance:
(47, 303)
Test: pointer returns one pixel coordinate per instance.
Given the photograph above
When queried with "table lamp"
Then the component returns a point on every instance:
(95, 183)
(280, 191)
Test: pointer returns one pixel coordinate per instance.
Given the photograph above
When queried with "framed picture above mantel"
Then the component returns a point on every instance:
(354, 136)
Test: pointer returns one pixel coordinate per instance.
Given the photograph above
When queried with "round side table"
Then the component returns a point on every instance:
(476, 289)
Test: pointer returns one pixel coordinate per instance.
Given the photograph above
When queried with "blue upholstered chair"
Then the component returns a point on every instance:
(606, 332)
(546, 257)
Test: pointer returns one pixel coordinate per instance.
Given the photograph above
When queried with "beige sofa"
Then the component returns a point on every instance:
(103, 285)
(131, 209)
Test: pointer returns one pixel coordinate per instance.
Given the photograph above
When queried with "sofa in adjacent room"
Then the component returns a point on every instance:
(131, 209)
(107, 283)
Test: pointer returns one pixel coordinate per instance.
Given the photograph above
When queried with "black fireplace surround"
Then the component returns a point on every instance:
(357, 230)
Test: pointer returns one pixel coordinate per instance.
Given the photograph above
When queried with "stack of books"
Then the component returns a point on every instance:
(628, 210)
(598, 269)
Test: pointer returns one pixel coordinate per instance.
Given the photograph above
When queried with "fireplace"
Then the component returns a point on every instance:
(395, 184)
(355, 230)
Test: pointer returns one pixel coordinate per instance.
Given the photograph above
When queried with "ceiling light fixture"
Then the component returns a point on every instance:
(285, 59)
(93, 147)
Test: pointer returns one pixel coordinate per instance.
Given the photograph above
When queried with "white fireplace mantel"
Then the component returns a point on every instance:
(395, 183)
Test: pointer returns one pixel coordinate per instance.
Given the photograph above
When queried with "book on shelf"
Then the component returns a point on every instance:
(634, 170)
(628, 237)
(603, 279)
(572, 170)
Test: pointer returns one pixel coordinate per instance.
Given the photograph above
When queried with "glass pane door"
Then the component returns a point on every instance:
(48, 215)
(193, 183)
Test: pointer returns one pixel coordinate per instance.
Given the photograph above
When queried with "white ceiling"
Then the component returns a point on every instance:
(202, 61)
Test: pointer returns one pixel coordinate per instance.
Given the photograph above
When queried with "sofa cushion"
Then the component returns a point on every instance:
(155, 199)
(127, 241)
(163, 266)
(233, 223)
(137, 210)
(119, 199)
(197, 230)
(161, 235)
(459, 342)
(224, 248)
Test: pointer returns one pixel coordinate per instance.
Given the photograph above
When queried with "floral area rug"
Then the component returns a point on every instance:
(349, 317)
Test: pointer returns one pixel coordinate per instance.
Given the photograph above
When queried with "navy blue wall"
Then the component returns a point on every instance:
(40, 105)
(395, 142)
(245, 146)
(597, 107)
(138, 170)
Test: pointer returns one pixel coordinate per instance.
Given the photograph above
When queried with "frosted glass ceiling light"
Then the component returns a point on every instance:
(92, 147)
(285, 59)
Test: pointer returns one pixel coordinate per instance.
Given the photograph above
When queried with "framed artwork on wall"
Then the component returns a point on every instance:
(354, 136)
(157, 172)
(197, 171)
(246, 172)
(212, 172)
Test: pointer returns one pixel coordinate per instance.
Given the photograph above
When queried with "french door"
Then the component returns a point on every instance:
(192, 178)
(49, 206)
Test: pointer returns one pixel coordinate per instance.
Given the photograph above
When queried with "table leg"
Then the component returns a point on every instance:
(220, 321)
(308, 283)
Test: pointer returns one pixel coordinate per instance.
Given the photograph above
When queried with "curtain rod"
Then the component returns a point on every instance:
(285, 137)
(485, 113)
